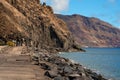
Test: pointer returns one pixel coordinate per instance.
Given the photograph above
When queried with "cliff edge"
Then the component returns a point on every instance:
(32, 23)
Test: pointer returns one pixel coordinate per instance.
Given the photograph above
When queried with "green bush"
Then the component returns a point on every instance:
(10, 43)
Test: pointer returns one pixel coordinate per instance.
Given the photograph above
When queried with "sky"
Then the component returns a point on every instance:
(106, 10)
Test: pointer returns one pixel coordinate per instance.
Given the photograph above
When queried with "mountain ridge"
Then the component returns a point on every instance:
(91, 32)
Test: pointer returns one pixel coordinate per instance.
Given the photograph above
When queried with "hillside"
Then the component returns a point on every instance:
(92, 32)
(34, 24)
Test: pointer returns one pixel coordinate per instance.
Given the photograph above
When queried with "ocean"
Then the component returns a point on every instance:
(105, 61)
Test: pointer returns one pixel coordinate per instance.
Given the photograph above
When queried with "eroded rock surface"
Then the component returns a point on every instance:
(33, 23)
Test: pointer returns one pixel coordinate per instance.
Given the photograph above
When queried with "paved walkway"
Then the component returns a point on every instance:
(14, 66)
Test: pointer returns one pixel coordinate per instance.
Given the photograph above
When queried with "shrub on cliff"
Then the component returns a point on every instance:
(10, 43)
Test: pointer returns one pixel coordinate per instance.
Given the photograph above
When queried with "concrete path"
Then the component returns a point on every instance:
(14, 66)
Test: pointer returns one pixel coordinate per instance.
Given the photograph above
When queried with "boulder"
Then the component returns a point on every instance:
(67, 69)
(58, 78)
(74, 77)
(45, 66)
(35, 62)
(51, 74)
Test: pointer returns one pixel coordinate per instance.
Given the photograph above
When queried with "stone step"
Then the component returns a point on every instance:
(19, 58)
(17, 72)
(15, 64)
(8, 78)
(16, 69)
(16, 75)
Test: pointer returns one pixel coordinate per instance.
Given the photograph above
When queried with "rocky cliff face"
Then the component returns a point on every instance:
(35, 23)
(92, 32)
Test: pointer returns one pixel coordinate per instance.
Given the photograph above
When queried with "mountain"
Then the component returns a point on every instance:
(92, 32)
(32, 23)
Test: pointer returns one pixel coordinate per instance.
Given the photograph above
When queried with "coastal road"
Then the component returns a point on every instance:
(17, 66)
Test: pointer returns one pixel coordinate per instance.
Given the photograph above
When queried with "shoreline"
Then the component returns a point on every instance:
(59, 68)
(88, 65)
(85, 67)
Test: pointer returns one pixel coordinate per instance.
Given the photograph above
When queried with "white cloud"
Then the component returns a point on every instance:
(58, 5)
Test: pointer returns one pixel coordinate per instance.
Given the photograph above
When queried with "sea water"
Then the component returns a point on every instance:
(105, 61)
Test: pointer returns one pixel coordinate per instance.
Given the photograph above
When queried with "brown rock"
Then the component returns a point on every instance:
(29, 22)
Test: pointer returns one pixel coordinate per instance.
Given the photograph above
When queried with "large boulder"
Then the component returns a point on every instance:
(51, 74)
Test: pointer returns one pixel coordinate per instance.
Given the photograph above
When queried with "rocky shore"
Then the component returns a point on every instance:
(59, 68)
(51, 66)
